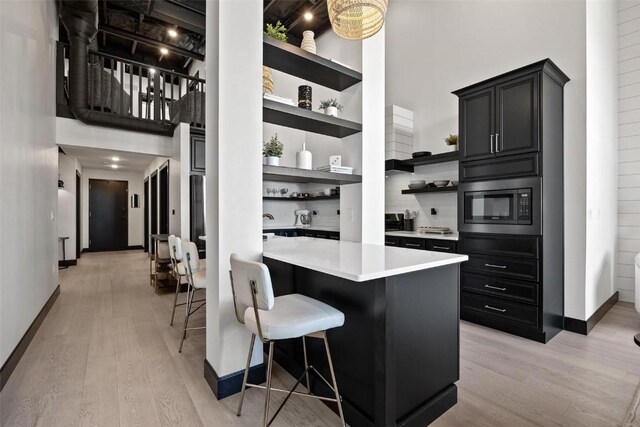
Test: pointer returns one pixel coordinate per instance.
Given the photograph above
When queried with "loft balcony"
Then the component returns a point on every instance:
(132, 92)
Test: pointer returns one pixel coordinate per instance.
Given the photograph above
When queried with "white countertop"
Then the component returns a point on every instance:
(354, 261)
(450, 236)
(291, 227)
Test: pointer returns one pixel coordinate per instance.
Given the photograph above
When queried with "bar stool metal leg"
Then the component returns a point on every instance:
(246, 374)
(306, 363)
(190, 293)
(333, 377)
(175, 299)
(268, 394)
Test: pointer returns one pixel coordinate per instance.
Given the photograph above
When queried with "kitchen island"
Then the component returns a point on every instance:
(397, 355)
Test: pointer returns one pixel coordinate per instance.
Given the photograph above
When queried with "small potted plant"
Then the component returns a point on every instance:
(278, 32)
(452, 142)
(272, 151)
(331, 107)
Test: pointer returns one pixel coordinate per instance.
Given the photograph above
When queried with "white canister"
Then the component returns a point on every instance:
(303, 158)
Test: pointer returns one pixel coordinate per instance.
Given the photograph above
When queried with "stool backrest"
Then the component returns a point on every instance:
(175, 248)
(250, 279)
(190, 251)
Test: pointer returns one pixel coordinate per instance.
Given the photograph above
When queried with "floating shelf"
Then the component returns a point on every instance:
(286, 174)
(292, 60)
(432, 190)
(433, 159)
(310, 121)
(300, 199)
(397, 166)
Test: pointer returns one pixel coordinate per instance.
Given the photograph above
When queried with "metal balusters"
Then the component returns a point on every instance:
(101, 92)
(140, 91)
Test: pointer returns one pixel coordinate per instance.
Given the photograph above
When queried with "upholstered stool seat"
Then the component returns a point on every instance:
(182, 269)
(294, 316)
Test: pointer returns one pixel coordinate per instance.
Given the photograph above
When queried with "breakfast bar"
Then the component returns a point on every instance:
(397, 355)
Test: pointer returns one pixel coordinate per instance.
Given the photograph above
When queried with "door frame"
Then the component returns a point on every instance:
(78, 214)
(153, 192)
(166, 194)
(89, 213)
(147, 214)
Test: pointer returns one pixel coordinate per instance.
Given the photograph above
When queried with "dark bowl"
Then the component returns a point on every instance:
(421, 154)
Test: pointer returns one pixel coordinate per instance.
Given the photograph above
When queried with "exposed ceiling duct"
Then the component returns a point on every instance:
(80, 18)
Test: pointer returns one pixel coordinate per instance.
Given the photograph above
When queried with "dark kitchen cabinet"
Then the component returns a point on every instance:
(517, 116)
(391, 241)
(477, 125)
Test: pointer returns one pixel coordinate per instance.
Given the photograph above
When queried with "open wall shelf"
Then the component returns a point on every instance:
(433, 159)
(310, 121)
(300, 199)
(432, 190)
(292, 60)
(286, 174)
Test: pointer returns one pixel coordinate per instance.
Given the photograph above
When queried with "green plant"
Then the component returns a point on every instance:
(330, 103)
(451, 140)
(277, 31)
(273, 147)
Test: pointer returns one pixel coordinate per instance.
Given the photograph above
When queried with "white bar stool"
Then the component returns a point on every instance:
(284, 317)
(179, 270)
(196, 279)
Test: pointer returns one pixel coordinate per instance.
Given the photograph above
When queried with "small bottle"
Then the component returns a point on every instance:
(303, 158)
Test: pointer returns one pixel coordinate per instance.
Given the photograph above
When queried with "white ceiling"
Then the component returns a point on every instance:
(94, 158)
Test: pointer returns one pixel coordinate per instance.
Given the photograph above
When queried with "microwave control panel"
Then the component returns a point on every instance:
(524, 206)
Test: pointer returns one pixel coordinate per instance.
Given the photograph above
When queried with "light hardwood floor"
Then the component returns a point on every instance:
(106, 356)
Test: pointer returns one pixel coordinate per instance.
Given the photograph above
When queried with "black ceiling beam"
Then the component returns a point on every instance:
(150, 42)
(184, 17)
(268, 6)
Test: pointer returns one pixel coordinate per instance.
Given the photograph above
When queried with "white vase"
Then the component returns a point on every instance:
(331, 111)
(303, 158)
(308, 43)
(272, 161)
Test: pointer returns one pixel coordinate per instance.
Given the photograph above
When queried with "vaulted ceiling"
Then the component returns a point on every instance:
(138, 29)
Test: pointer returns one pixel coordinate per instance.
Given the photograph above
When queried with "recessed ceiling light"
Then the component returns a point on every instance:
(164, 50)
(308, 16)
(114, 166)
(115, 159)
(172, 33)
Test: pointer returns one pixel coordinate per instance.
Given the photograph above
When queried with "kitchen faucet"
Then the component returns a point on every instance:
(268, 215)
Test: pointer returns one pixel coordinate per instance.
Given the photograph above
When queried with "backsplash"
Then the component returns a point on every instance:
(446, 204)
(327, 210)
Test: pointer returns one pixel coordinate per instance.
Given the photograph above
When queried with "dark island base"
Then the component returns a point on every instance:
(397, 355)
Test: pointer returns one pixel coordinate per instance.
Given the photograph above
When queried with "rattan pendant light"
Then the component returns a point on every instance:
(357, 19)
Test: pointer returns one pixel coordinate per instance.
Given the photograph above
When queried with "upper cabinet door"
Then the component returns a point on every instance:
(476, 125)
(517, 116)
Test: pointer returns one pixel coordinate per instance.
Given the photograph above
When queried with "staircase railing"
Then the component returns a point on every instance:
(128, 88)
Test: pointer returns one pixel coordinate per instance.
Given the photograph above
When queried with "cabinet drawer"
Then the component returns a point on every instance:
(334, 235)
(500, 167)
(492, 286)
(512, 246)
(322, 234)
(391, 241)
(441, 245)
(413, 243)
(507, 267)
(309, 233)
(500, 309)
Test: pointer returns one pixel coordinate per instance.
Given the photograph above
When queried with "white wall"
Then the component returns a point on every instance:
(75, 133)
(135, 186)
(457, 43)
(28, 166)
(67, 167)
(628, 145)
(602, 152)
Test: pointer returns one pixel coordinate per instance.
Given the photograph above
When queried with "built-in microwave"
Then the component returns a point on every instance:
(503, 206)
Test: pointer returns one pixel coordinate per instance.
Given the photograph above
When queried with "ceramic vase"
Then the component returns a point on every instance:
(331, 111)
(272, 161)
(308, 43)
(267, 80)
(453, 147)
(304, 97)
(303, 158)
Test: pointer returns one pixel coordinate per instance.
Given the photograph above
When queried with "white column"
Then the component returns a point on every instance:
(373, 104)
(234, 168)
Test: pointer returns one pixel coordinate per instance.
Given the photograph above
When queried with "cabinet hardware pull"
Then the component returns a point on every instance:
(501, 310)
(491, 143)
(495, 287)
(441, 247)
(495, 266)
(413, 245)
(497, 145)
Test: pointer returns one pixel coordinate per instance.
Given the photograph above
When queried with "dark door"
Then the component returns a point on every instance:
(196, 183)
(476, 125)
(108, 215)
(164, 198)
(154, 203)
(78, 215)
(517, 116)
(146, 215)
